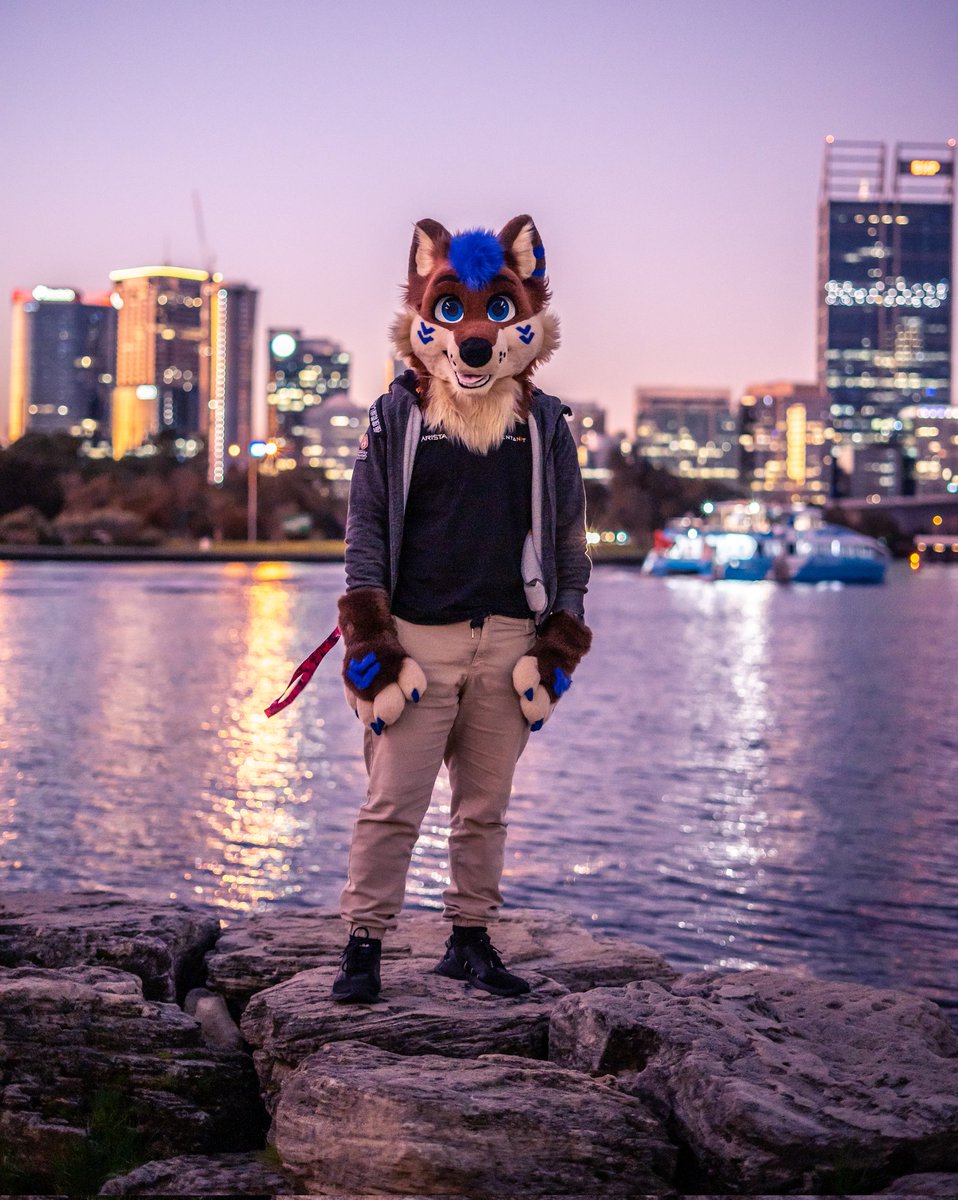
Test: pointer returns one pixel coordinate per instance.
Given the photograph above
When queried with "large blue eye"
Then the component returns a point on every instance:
(500, 308)
(449, 309)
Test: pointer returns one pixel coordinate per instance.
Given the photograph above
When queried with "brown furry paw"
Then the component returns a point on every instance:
(542, 677)
(378, 674)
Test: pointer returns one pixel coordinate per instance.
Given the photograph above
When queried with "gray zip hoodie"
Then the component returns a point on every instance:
(555, 564)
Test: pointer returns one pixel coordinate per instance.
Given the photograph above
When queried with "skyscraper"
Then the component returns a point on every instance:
(232, 309)
(61, 372)
(687, 431)
(303, 374)
(784, 455)
(162, 358)
(884, 316)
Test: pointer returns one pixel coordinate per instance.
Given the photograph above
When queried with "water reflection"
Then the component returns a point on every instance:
(252, 826)
(741, 775)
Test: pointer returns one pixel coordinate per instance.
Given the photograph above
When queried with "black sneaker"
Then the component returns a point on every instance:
(476, 960)
(358, 980)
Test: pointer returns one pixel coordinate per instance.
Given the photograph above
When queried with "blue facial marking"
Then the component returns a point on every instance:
(425, 333)
(526, 333)
(476, 256)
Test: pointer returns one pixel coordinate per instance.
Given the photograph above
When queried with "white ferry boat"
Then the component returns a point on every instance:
(748, 541)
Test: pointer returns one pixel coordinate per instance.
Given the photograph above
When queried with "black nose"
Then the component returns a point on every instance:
(475, 352)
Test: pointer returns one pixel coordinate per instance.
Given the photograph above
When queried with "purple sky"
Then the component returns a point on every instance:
(669, 154)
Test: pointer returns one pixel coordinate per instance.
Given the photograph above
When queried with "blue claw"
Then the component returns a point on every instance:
(528, 693)
(415, 695)
(378, 726)
(562, 682)
(363, 672)
(536, 726)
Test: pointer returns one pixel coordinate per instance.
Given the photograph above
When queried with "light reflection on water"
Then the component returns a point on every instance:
(743, 774)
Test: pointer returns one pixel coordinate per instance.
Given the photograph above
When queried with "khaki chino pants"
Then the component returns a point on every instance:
(469, 717)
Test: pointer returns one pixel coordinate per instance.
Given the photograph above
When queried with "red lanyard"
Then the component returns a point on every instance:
(304, 673)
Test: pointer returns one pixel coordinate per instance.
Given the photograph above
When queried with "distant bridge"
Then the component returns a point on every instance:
(912, 514)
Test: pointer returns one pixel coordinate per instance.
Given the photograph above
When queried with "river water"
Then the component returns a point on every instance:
(743, 773)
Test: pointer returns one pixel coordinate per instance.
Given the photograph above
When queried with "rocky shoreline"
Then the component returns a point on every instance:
(146, 1051)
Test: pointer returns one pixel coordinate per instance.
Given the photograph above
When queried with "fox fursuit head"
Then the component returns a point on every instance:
(475, 326)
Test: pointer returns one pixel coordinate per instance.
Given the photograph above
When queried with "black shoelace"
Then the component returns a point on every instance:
(485, 947)
(359, 954)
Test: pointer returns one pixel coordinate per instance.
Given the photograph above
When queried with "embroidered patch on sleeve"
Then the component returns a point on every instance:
(363, 452)
(374, 420)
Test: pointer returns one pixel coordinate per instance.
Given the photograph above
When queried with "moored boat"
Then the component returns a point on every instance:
(745, 541)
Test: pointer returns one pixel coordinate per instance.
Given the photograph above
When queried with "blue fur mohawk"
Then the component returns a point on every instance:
(476, 257)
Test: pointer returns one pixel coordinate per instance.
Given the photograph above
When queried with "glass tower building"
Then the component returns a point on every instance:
(162, 358)
(884, 317)
(62, 364)
(232, 308)
(304, 373)
(687, 431)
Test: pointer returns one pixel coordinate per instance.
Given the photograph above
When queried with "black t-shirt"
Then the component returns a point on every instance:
(467, 517)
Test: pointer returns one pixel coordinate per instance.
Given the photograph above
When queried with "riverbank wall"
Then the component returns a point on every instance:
(146, 1049)
(219, 552)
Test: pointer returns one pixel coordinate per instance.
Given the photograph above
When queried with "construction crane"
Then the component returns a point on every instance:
(209, 260)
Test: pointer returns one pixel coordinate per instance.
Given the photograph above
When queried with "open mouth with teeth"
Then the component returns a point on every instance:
(471, 381)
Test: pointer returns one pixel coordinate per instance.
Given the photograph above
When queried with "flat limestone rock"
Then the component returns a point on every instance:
(163, 943)
(201, 1175)
(419, 1013)
(354, 1119)
(776, 1082)
(267, 948)
(81, 1049)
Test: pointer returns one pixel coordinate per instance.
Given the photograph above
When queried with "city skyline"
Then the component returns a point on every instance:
(671, 159)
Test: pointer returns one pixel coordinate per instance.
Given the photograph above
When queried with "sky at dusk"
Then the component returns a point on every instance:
(670, 155)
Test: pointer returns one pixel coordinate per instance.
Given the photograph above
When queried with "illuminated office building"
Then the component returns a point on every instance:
(61, 371)
(784, 450)
(593, 445)
(232, 309)
(304, 374)
(884, 316)
(335, 430)
(162, 358)
(687, 431)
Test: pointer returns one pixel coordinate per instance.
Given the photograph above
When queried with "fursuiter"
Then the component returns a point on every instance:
(475, 326)
(466, 568)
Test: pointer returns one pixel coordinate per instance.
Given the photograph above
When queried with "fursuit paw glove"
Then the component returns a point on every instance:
(545, 675)
(379, 676)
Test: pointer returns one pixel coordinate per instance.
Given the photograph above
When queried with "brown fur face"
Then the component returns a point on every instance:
(475, 326)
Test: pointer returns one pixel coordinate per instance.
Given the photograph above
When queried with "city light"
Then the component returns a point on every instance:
(161, 272)
(924, 166)
(54, 295)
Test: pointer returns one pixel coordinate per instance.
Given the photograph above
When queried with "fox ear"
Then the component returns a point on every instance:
(520, 240)
(430, 245)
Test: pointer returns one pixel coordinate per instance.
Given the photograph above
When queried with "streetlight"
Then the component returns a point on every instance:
(257, 450)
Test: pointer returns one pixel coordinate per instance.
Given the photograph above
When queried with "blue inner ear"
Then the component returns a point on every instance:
(476, 257)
